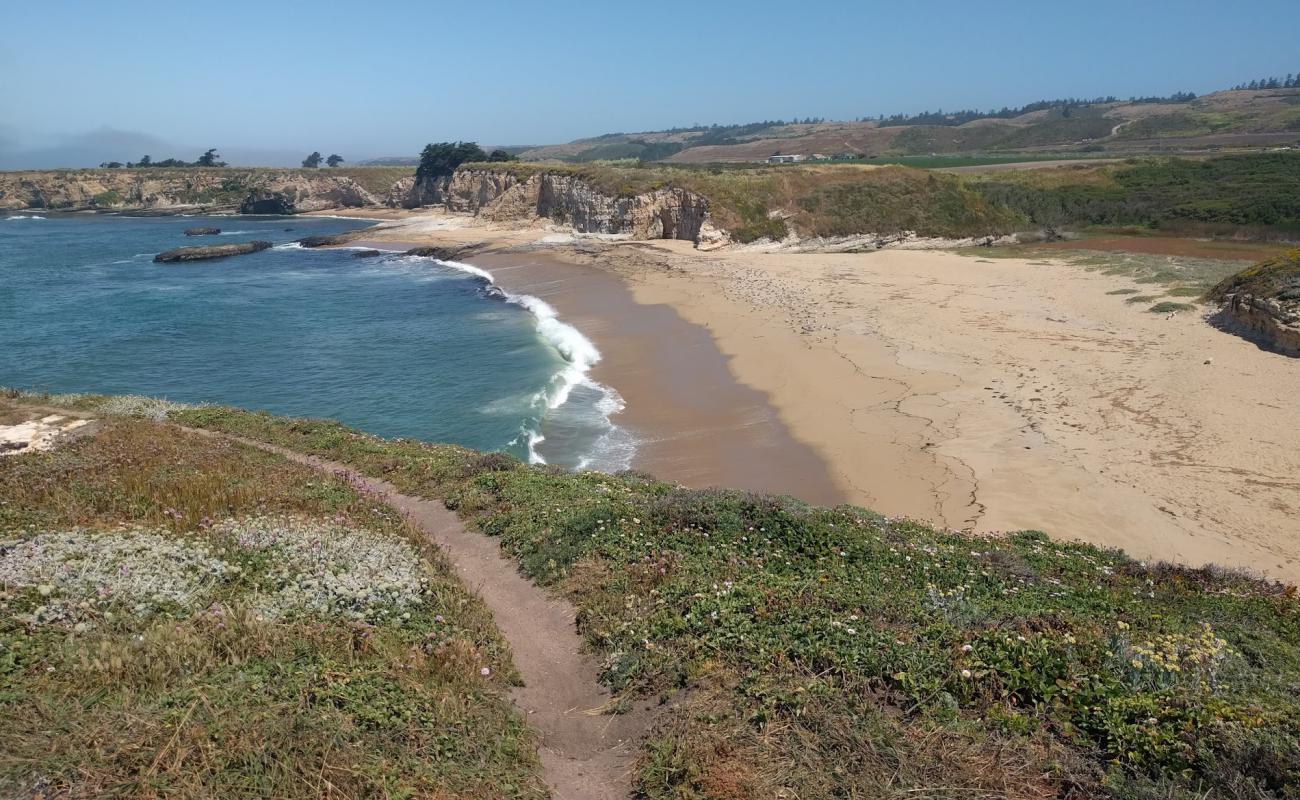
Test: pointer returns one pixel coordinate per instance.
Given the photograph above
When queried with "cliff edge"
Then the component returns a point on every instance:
(1262, 303)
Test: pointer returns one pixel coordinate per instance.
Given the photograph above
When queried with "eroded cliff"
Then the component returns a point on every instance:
(261, 191)
(1262, 303)
(502, 195)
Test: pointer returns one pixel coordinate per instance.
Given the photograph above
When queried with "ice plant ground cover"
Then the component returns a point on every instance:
(830, 653)
(186, 617)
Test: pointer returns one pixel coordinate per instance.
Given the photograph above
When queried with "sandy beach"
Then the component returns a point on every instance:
(989, 395)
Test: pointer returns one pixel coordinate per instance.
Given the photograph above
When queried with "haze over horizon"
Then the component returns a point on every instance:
(267, 84)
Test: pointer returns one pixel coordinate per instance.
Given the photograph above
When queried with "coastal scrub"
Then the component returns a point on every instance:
(183, 616)
(832, 652)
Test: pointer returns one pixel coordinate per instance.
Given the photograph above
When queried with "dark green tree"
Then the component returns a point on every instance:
(441, 159)
(334, 160)
(144, 161)
(312, 161)
(500, 155)
(210, 159)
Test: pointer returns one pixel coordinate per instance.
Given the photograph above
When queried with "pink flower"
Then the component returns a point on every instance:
(486, 671)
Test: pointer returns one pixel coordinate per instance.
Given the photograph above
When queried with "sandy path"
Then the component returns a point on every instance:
(585, 755)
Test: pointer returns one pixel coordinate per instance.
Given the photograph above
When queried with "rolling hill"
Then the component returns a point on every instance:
(1245, 118)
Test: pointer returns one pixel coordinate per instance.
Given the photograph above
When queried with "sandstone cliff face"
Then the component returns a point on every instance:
(249, 191)
(566, 199)
(1274, 324)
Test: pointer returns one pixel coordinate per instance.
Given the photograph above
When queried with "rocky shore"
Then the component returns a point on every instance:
(246, 191)
(209, 252)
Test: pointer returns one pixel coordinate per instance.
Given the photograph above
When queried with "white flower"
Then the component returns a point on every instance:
(966, 648)
(965, 673)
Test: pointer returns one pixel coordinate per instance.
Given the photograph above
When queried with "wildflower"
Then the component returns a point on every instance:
(965, 673)
(966, 648)
(485, 671)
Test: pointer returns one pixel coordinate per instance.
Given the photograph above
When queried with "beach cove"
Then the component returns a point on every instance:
(988, 395)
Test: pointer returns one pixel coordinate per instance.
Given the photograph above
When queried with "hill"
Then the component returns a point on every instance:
(823, 652)
(1236, 118)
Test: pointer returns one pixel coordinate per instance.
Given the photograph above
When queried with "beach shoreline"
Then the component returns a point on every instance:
(692, 421)
(986, 395)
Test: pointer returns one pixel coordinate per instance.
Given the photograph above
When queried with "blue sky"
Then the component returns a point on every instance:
(382, 78)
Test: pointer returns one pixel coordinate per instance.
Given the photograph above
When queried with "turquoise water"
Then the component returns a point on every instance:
(396, 345)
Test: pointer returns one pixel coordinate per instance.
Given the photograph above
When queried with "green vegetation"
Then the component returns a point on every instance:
(334, 160)
(1274, 279)
(1259, 189)
(312, 161)
(1169, 307)
(441, 159)
(844, 654)
(108, 199)
(210, 158)
(164, 632)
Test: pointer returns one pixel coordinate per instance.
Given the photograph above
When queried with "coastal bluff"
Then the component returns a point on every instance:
(164, 191)
(504, 194)
(1262, 303)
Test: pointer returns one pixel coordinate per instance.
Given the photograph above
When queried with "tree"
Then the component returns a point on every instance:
(441, 159)
(144, 161)
(209, 159)
(111, 165)
(334, 160)
(500, 155)
(312, 161)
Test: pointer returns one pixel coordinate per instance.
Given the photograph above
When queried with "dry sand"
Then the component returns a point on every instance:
(986, 395)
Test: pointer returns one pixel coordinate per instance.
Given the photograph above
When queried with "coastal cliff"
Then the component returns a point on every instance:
(503, 194)
(1262, 303)
(250, 191)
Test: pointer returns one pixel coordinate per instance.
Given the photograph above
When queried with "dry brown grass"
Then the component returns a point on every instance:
(219, 702)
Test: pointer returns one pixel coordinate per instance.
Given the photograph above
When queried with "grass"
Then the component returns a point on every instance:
(124, 677)
(1275, 279)
(1169, 307)
(1178, 276)
(831, 653)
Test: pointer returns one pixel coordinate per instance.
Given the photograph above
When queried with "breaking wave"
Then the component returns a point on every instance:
(614, 447)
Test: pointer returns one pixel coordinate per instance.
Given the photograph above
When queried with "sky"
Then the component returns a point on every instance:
(268, 82)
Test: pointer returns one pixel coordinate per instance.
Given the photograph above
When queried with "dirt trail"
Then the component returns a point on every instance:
(585, 755)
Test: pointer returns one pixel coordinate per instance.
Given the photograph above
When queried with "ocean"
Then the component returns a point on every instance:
(395, 345)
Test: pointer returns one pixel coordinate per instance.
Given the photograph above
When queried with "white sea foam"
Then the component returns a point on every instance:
(24, 216)
(289, 246)
(580, 355)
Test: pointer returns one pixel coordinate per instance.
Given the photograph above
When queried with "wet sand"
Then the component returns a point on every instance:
(694, 422)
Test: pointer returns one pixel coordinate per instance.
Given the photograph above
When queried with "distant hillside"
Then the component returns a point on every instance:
(1237, 118)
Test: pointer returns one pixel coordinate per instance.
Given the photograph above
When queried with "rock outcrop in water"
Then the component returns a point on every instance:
(256, 191)
(211, 251)
(202, 231)
(668, 213)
